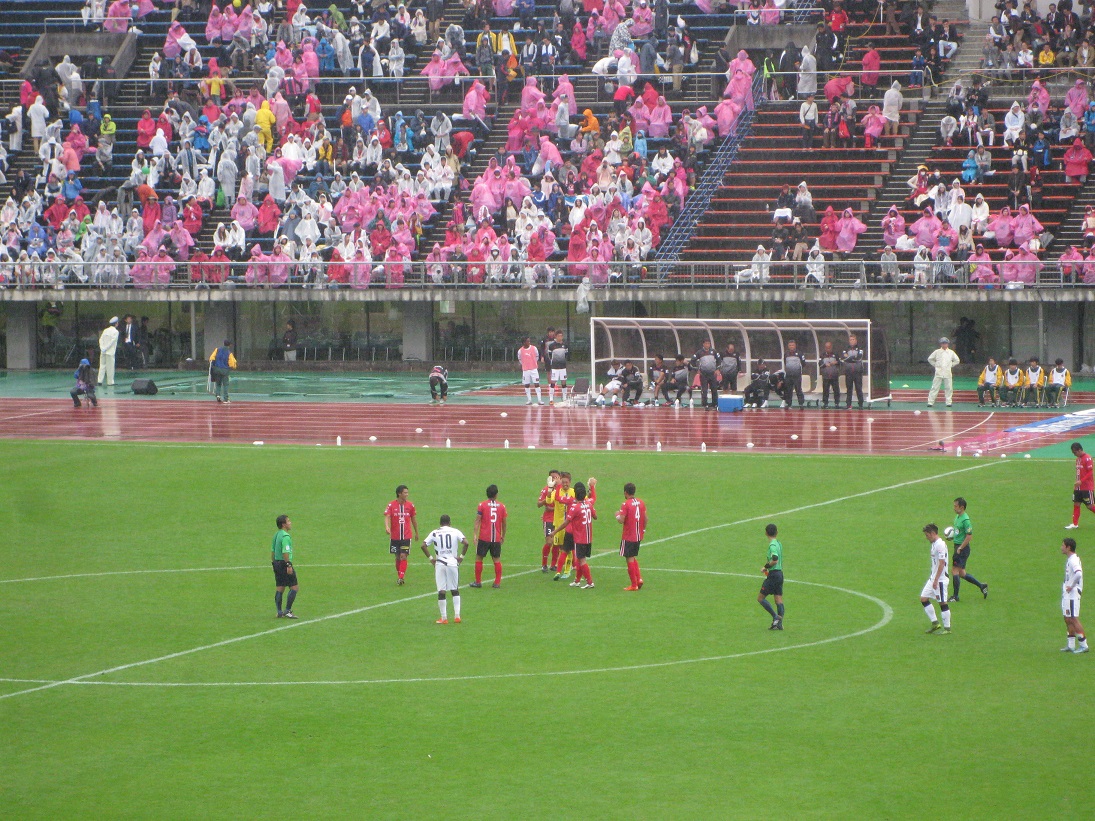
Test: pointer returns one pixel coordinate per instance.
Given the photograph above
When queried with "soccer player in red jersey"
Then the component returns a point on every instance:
(547, 502)
(1084, 491)
(632, 515)
(400, 523)
(578, 525)
(490, 528)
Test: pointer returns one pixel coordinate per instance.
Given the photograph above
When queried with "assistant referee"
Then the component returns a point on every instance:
(773, 579)
(285, 575)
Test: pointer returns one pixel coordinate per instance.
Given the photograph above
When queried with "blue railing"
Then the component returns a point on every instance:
(710, 181)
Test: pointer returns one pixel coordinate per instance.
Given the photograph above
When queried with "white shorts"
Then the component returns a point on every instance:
(530, 377)
(1070, 605)
(615, 386)
(936, 592)
(447, 576)
(559, 376)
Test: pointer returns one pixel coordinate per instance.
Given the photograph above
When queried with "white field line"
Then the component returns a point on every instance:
(887, 616)
(953, 435)
(367, 608)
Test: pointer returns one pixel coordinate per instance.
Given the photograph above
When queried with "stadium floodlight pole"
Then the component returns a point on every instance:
(592, 350)
(869, 396)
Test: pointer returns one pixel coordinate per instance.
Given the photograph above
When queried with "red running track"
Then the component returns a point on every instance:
(879, 431)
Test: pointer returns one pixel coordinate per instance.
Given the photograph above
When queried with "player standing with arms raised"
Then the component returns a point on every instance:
(446, 565)
(546, 501)
(961, 536)
(1071, 591)
(400, 523)
(490, 527)
(557, 352)
(632, 515)
(1084, 491)
(935, 588)
(529, 357)
(773, 579)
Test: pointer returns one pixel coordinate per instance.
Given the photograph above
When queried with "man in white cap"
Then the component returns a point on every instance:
(108, 346)
(943, 359)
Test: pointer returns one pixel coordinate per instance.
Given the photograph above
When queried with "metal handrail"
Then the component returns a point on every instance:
(463, 276)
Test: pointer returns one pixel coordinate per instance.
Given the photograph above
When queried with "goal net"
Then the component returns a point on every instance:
(640, 339)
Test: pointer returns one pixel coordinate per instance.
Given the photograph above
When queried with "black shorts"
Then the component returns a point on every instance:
(547, 530)
(773, 583)
(483, 548)
(1083, 497)
(568, 542)
(961, 557)
(629, 550)
(583, 551)
(400, 546)
(285, 575)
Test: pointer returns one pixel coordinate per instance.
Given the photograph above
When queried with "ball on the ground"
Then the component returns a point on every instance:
(1003, 456)
(870, 418)
(749, 444)
(1026, 455)
(503, 414)
(916, 413)
(794, 437)
(832, 427)
(948, 532)
(372, 438)
(462, 422)
(418, 430)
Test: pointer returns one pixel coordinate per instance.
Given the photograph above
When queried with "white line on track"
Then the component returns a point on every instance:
(36, 413)
(951, 436)
(367, 608)
(887, 617)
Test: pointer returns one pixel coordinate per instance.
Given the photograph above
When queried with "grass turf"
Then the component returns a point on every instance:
(881, 725)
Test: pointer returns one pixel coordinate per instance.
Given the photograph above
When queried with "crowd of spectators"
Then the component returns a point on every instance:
(343, 196)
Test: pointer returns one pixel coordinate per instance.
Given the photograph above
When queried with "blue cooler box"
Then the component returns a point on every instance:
(731, 404)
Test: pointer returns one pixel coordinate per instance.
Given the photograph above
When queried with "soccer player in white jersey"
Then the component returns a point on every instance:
(446, 541)
(529, 357)
(1071, 592)
(935, 588)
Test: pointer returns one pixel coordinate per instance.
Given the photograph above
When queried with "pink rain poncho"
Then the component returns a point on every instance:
(1076, 99)
(926, 229)
(893, 226)
(726, 115)
(661, 119)
(1026, 226)
(1003, 227)
(475, 101)
(848, 229)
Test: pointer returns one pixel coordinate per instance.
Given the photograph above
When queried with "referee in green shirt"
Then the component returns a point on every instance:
(773, 579)
(285, 575)
(963, 534)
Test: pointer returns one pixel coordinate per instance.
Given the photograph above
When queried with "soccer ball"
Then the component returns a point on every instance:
(948, 532)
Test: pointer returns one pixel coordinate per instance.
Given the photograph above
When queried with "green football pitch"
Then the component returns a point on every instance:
(144, 674)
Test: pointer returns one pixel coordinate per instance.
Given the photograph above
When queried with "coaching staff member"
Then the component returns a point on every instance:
(285, 575)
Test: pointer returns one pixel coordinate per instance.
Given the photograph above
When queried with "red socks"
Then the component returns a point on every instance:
(1075, 514)
(562, 560)
(554, 554)
(585, 570)
(497, 572)
(478, 572)
(633, 572)
(544, 558)
(401, 567)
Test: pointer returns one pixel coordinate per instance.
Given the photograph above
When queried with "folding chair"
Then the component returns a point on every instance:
(580, 393)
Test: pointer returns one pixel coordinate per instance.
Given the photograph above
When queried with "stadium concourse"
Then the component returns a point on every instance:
(490, 418)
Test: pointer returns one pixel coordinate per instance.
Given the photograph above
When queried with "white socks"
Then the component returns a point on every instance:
(929, 608)
(456, 605)
(947, 619)
(443, 604)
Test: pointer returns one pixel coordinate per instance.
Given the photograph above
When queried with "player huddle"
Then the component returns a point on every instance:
(568, 517)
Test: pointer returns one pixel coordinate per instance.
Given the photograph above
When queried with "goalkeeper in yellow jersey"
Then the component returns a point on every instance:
(562, 498)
